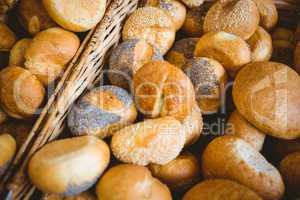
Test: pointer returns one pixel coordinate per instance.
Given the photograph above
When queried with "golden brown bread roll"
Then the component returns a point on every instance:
(7, 151)
(182, 51)
(283, 51)
(153, 25)
(242, 129)
(268, 13)
(220, 189)
(162, 89)
(21, 93)
(17, 53)
(297, 58)
(193, 25)
(193, 3)
(281, 33)
(232, 158)
(152, 141)
(230, 50)
(102, 111)
(69, 166)
(180, 173)
(8, 38)
(78, 16)
(33, 16)
(127, 58)
(266, 94)
(240, 18)
(49, 52)
(128, 182)
(261, 45)
(209, 79)
(81, 196)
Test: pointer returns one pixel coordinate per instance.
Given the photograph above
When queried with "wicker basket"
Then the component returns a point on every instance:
(82, 73)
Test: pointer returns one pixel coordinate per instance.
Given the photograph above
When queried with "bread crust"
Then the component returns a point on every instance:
(193, 3)
(8, 38)
(8, 150)
(17, 53)
(81, 196)
(268, 13)
(193, 25)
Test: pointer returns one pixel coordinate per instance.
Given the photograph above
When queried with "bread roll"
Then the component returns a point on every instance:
(69, 166)
(7, 151)
(283, 51)
(76, 16)
(174, 8)
(193, 3)
(21, 93)
(297, 58)
(266, 94)
(17, 53)
(242, 129)
(182, 51)
(153, 141)
(162, 89)
(193, 25)
(281, 33)
(49, 52)
(240, 18)
(261, 45)
(101, 112)
(8, 38)
(178, 174)
(33, 16)
(128, 182)
(127, 58)
(220, 189)
(209, 79)
(232, 158)
(268, 13)
(153, 25)
(81, 196)
(230, 50)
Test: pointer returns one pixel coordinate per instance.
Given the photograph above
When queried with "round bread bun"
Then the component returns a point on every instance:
(232, 158)
(240, 18)
(21, 93)
(161, 89)
(297, 58)
(282, 148)
(128, 182)
(17, 53)
(281, 33)
(220, 189)
(155, 141)
(193, 25)
(283, 52)
(182, 51)
(76, 16)
(49, 52)
(69, 166)
(174, 8)
(209, 79)
(178, 174)
(230, 50)
(33, 16)
(153, 25)
(102, 112)
(81, 196)
(266, 94)
(8, 38)
(242, 129)
(268, 13)
(7, 151)
(127, 58)
(261, 45)
(193, 3)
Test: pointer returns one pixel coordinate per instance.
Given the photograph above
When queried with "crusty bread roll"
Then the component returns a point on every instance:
(220, 189)
(240, 18)
(179, 174)
(17, 53)
(49, 52)
(81, 196)
(267, 95)
(8, 150)
(8, 38)
(153, 25)
(281, 33)
(242, 129)
(209, 79)
(261, 45)
(102, 111)
(129, 182)
(69, 166)
(230, 50)
(21, 93)
(77, 16)
(182, 51)
(33, 16)
(162, 89)
(127, 58)
(297, 58)
(193, 25)
(152, 141)
(268, 13)
(283, 52)
(193, 3)
(232, 158)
